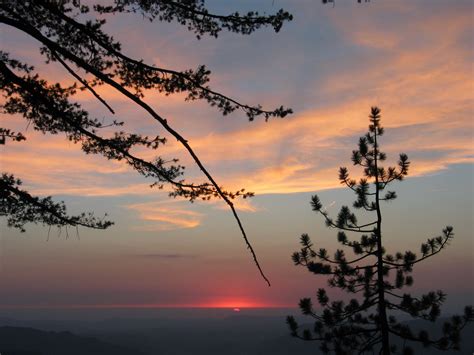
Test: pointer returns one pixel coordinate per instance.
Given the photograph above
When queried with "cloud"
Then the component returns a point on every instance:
(414, 65)
(161, 216)
(240, 204)
(51, 165)
(415, 69)
(166, 256)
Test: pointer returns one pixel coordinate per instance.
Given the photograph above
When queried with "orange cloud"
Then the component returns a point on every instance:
(164, 216)
(416, 72)
(240, 204)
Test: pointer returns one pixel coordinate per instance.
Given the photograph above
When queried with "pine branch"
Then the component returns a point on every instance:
(82, 81)
(251, 111)
(81, 63)
(448, 231)
(21, 208)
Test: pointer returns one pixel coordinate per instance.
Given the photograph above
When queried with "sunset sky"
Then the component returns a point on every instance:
(413, 59)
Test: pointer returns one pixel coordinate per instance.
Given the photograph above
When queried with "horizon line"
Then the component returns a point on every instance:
(140, 306)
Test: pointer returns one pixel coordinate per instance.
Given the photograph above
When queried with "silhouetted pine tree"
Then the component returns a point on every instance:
(370, 322)
(70, 33)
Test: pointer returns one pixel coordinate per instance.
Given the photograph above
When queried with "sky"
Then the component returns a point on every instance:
(413, 59)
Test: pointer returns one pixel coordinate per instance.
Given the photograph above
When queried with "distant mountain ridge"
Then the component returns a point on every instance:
(234, 335)
(29, 341)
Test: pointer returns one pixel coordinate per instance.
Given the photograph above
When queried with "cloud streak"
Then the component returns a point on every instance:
(412, 67)
(166, 256)
(160, 216)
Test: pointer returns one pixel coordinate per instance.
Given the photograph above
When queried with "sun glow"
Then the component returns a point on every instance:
(235, 304)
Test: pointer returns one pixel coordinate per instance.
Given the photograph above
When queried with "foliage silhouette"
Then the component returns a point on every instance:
(71, 35)
(360, 326)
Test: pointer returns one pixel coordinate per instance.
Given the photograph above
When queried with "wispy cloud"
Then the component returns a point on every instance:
(240, 204)
(415, 69)
(159, 216)
(165, 256)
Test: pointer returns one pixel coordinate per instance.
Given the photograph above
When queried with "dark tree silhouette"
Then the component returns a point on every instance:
(370, 322)
(71, 35)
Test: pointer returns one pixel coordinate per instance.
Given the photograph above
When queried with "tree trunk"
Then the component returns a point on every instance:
(380, 282)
